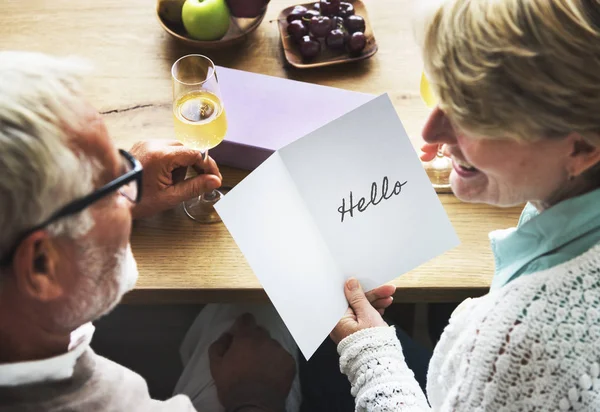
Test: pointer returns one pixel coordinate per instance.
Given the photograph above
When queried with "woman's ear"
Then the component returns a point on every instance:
(583, 156)
(34, 268)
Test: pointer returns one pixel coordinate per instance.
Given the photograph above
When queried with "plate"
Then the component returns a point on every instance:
(238, 32)
(327, 57)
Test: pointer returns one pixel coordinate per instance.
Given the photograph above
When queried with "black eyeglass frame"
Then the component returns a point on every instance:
(82, 203)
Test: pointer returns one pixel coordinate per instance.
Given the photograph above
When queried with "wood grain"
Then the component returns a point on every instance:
(179, 260)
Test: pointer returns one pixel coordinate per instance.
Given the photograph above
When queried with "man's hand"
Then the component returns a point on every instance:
(365, 310)
(165, 164)
(250, 368)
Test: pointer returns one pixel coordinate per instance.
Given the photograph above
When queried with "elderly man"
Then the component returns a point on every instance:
(67, 200)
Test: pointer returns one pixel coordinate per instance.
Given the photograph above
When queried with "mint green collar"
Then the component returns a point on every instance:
(543, 240)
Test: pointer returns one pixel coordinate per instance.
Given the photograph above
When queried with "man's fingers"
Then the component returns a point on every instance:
(178, 174)
(381, 292)
(356, 298)
(209, 166)
(167, 142)
(219, 347)
(178, 156)
(195, 186)
(243, 324)
(181, 156)
(246, 325)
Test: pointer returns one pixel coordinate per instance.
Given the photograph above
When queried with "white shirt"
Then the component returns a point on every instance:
(52, 369)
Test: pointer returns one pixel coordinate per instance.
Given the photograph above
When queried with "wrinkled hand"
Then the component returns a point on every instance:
(251, 368)
(165, 164)
(365, 309)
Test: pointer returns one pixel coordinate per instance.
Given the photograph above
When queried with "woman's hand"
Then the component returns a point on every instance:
(429, 151)
(365, 309)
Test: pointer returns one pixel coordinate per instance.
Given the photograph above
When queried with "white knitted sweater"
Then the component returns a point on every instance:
(532, 345)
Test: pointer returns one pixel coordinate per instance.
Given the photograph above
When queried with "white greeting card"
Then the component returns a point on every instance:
(348, 199)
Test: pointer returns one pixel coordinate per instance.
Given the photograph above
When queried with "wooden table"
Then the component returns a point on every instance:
(179, 260)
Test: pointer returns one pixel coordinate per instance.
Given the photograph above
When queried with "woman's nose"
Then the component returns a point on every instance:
(438, 129)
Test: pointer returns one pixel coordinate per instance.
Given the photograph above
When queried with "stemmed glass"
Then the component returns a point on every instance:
(200, 121)
(440, 167)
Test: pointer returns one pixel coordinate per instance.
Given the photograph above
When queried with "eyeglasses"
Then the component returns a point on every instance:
(128, 185)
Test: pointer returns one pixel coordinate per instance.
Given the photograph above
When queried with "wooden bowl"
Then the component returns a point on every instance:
(238, 32)
(327, 57)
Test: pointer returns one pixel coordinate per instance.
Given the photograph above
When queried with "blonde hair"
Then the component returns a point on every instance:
(40, 110)
(520, 69)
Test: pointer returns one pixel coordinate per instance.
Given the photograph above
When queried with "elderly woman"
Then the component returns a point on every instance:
(518, 84)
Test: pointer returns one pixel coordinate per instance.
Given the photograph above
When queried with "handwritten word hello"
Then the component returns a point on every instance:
(362, 204)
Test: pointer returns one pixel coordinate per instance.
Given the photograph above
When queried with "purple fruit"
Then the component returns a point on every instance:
(338, 22)
(296, 14)
(309, 15)
(335, 39)
(246, 8)
(297, 29)
(330, 7)
(354, 24)
(356, 42)
(320, 26)
(346, 9)
(309, 47)
(317, 6)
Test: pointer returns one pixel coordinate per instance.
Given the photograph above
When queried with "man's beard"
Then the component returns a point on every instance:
(104, 281)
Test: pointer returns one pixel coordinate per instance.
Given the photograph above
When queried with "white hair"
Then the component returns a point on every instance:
(41, 110)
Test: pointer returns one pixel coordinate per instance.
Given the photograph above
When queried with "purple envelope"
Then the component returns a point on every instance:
(266, 113)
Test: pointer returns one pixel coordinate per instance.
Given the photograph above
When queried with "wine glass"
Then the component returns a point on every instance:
(440, 167)
(200, 121)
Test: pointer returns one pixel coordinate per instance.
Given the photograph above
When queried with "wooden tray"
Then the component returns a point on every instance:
(327, 57)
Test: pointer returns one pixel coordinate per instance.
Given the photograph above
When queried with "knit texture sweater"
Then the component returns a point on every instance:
(532, 345)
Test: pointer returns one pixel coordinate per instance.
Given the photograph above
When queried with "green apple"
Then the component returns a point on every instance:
(205, 19)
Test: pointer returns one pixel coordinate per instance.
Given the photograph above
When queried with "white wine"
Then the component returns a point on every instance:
(200, 120)
(426, 93)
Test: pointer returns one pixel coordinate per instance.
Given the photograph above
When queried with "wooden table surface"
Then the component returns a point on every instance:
(181, 261)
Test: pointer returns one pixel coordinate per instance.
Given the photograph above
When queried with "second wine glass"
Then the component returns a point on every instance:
(440, 167)
(200, 121)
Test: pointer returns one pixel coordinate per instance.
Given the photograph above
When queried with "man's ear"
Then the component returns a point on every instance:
(34, 265)
(584, 155)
